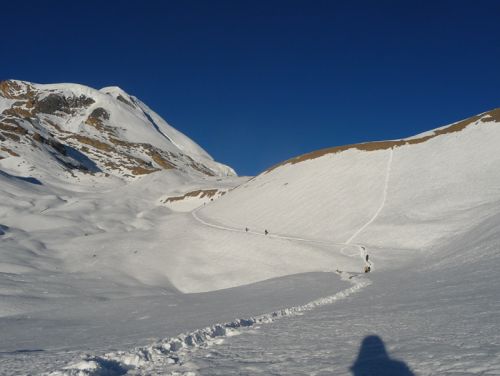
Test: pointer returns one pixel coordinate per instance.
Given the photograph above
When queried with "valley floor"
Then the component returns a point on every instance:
(98, 296)
(434, 316)
(379, 331)
(49, 340)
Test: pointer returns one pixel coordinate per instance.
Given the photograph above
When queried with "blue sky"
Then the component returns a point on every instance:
(258, 82)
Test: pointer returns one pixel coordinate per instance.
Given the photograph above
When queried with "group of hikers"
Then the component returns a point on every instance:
(265, 231)
(368, 264)
(367, 268)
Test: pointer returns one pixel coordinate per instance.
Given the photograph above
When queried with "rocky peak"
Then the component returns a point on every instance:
(107, 130)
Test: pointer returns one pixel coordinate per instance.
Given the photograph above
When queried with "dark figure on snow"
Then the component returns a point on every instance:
(366, 258)
(374, 360)
(246, 229)
(266, 232)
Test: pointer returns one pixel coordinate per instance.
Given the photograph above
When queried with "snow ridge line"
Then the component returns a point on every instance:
(170, 350)
(382, 204)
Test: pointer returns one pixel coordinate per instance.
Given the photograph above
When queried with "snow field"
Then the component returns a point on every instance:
(172, 350)
(410, 198)
(100, 264)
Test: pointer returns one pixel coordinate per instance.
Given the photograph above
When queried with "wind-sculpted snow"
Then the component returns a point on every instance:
(171, 351)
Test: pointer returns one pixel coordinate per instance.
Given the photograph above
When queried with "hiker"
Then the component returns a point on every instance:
(246, 229)
(366, 258)
(266, 232)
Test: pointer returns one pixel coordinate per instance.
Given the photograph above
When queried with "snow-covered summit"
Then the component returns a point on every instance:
(71, 128)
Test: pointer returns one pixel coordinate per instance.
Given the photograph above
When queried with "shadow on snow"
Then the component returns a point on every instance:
(28, 179)
(373, 360)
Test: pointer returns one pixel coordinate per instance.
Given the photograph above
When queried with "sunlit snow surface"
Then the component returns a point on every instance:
(98, 276)
(438, 322)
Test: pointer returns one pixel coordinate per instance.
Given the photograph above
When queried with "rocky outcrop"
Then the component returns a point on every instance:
(39, 116)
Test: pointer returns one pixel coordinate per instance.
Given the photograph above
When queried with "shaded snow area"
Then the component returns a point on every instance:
(176, 272)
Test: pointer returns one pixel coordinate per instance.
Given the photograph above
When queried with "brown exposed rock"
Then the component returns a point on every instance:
(383, 145)
(13, 127)
(135, 165)
(199, 167)
(9, 89)
(11, 152)
(97, 118)
(19, 112)
(57, 127)
(158, 158)
(53, 103)
(493, 115)
(152, 151)
(15, 90)
(201, 193)
(92, 142)
(11, 136)
(112, 165)
(119, 142)
(9, 120)
(140, 170)
(123, 100)
(100, 113)
(37, 137)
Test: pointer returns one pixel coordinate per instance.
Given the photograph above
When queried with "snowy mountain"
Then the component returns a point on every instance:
(424, 189)
(68, 128)
(118, 234)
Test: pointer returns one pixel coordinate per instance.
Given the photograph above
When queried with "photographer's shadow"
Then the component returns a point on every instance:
(373, 360)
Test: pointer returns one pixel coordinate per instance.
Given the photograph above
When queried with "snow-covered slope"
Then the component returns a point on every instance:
(93, 258)
(66, 129)
(404, 194)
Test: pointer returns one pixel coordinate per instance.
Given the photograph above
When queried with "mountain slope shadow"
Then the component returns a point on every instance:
(27, 179)
(373, 360)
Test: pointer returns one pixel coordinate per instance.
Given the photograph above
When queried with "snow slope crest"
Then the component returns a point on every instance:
(486, 117)
(428, 187)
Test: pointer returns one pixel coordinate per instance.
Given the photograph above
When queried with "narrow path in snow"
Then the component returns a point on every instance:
(362, 249)
(159, 357)
(273, 235)
(169, 351)
(348, 243)
(382, 203)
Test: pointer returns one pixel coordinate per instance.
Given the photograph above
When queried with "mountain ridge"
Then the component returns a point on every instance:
(489, 116)
(92, 131)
